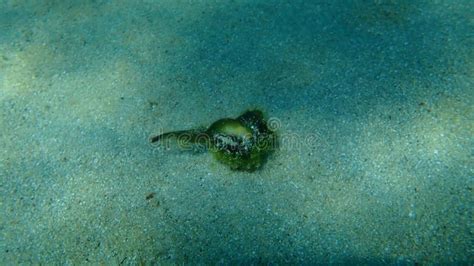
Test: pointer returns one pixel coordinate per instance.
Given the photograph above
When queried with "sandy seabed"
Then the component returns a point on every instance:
(373, 102)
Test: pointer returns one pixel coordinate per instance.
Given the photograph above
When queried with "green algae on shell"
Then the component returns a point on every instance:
(242, 143)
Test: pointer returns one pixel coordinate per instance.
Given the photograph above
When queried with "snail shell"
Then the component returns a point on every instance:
(242, 143)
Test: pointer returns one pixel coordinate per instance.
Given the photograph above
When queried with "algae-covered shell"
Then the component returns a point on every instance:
(242, 143)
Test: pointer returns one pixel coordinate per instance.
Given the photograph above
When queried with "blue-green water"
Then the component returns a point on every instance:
(372, 101)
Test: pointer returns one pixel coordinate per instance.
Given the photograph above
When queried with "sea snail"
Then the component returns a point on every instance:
(242, 143)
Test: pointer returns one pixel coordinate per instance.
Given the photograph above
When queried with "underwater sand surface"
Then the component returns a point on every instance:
(373, 101)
